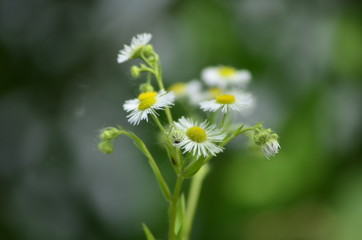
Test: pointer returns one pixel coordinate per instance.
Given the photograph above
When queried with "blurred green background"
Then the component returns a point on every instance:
(60, 84)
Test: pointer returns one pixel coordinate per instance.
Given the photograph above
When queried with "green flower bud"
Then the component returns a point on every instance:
(106, 147)
(261, 138)
(146, 87)
(177, 136)
(135, 71)
(267, 140)
(109, 134)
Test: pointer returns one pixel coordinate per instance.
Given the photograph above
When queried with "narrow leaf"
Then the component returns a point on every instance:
(148, 232)
(180, 216)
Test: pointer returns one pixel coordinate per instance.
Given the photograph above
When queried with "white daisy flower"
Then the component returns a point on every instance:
(200, 138)
(228, 102)
(271, 147)
(213, 92)
(224, 77)
(147, 103)
(137, 42)
(191, 90)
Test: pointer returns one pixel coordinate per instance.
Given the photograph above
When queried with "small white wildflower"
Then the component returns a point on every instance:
(225, 77)
(137, 42)
(147, 103)
(191, 90)
(271, 147)
(228, 102)
(199, 139)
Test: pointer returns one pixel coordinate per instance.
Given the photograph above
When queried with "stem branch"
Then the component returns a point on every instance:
(160, 179)
(192, 200)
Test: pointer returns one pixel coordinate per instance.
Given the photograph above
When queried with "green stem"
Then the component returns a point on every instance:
(177, 155)
(194, 193)
(146, 61)
(195, 166)
(213, 116)
(157, 72)
(160, 84)
(173, 207)
(237, 133)
(160, 179)
(223, 120)
(158, 123)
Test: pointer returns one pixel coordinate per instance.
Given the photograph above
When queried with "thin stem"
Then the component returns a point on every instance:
(194, 167)
(173, 207)
(223, 120)
(157, 72)
(158, 75)
(160, 179)
(192, 200)
(237, 133)
(146, 61)
(177, 156)
(160, 84)
(213, 116)
(158, 124)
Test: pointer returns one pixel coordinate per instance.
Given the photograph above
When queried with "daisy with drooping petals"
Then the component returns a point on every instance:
(200, 138)
(267, 140)
(228, 102)
(147, 103)
(137, 42)
(271, 147)
(224, 77)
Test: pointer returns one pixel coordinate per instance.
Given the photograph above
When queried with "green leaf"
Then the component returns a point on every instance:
(148, 232)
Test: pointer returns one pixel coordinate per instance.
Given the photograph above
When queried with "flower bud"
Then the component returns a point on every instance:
(109, 134)
(271, 147)
(146, 87)
(106, 147)
(177, 136)
(267, 140)
(135, 71)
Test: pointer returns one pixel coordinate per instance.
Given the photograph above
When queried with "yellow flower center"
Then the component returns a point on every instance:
(215, 92)
(196, 134)
(225, 99)
(147, 99)
(178, 88)
(227, 71)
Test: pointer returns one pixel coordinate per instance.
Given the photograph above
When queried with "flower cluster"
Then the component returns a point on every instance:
(107, 136)
(193, 140)
(224, 93)
(222, 88)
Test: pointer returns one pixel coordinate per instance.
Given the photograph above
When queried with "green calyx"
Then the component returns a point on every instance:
(144, 51)
(148, 50)
(263, 136)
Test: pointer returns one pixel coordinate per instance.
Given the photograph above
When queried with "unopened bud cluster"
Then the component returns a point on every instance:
(107, 136)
